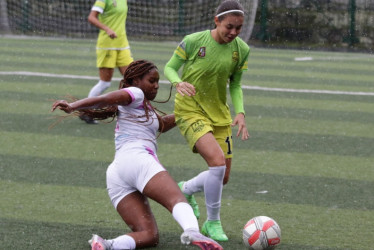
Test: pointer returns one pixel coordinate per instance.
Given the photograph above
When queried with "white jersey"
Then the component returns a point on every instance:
(135, 162)
(132, 124)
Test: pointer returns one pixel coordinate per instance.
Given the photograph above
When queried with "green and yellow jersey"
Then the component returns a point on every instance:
(209, 66)
(113, 13)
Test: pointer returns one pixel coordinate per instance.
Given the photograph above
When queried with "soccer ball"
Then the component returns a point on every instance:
(261, 233)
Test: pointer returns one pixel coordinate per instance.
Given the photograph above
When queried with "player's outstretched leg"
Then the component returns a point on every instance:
(191, 200)
(194, 237)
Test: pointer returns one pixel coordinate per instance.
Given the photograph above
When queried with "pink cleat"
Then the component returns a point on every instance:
(98, 243)
(196, 238)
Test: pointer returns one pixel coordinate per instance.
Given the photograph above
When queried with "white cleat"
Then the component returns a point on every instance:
(98, 243)
(196, 238)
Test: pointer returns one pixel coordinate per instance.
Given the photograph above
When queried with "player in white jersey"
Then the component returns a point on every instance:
(135, 173)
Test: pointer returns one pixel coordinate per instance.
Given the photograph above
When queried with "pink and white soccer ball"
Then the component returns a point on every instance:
(261, 233)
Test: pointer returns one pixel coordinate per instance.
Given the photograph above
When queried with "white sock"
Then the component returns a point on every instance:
(213, 191)
(99, 88)
(196, 184)
(122, 242)
(183, 214)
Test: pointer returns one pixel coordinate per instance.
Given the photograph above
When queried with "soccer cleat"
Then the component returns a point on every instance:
(191, 200)
(195, 238)
(213, 229)
(87, 119)
(98, 243)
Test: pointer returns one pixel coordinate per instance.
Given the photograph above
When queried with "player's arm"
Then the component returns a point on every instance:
(172, 67)
(235, 87)
(93, 18)
(236, 94)
(167, 122)
(171, 72)
(118, 97)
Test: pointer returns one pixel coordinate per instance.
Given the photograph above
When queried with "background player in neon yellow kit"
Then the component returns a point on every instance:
(211, 59)
(112, 49)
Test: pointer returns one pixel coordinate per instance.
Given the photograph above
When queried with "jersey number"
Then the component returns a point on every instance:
(228, 141)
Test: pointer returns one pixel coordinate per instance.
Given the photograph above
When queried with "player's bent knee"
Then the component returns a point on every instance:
(215, 160)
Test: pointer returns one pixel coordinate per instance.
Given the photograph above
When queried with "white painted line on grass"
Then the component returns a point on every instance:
(26, 73)
(300, 59)
(312, 91)
(333, 58)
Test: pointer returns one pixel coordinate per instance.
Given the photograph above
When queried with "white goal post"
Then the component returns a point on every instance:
(250, 7)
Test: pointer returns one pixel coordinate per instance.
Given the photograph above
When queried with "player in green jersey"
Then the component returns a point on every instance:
(112, 48)
(211, 59)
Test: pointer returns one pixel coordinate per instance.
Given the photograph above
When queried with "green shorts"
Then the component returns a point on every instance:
(113, 58)
(193, 128)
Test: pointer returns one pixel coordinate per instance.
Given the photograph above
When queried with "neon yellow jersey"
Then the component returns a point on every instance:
(209, 66)
(113, 13)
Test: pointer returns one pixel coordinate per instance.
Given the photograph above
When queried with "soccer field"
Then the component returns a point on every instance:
(309, 163)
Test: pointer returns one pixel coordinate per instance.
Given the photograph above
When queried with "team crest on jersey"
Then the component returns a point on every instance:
(202, 51)
(235, 56)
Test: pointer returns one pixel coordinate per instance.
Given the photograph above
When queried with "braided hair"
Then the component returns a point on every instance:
(136, 69)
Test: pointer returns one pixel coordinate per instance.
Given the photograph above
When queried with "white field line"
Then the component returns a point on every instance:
(332, 58)
(312, 91)
(300, 59)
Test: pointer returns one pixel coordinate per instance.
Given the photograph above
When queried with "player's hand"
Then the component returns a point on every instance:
(111, 33)
(62, 105)
(242, 128)
(185, 88)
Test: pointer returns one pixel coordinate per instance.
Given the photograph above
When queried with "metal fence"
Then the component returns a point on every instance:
(323, 23)
(312, 23)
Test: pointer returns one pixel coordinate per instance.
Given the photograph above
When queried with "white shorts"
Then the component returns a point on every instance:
(130, 171)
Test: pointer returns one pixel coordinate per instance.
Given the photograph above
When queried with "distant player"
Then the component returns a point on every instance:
(211, 59)
(112, 49)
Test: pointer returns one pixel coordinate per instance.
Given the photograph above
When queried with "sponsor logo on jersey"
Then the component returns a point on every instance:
(202, 51)
(197, 126)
